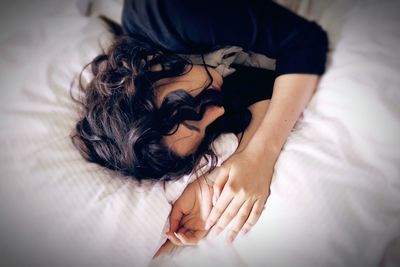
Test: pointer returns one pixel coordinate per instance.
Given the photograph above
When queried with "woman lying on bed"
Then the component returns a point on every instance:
(152, 114)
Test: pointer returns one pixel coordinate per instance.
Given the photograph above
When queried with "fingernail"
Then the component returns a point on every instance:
(245, 231)
(230, 238)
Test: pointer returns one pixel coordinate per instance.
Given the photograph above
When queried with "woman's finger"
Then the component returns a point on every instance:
(219, 183)
(171, 236)
(175, 218)
(255, 214)
(166, 247)
(219, 208)
(230, 212)
(190, 238)
(241, 219)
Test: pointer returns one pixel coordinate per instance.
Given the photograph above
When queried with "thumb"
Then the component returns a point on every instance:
(175, 218)
(190, 238)
(219, 183)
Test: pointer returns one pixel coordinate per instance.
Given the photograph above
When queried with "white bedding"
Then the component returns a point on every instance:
(335, 195)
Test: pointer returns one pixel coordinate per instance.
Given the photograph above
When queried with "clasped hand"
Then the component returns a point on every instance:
(240, 191)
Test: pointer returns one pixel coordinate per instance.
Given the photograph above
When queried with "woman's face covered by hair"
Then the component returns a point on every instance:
(187, 135)
(140, 111)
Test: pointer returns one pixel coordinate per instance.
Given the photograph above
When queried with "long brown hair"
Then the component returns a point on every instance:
(120, 126)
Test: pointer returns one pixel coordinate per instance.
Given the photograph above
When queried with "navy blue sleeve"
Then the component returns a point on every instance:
(193, 27)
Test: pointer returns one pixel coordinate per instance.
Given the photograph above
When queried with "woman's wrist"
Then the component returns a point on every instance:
(258, 111)
(263, 148)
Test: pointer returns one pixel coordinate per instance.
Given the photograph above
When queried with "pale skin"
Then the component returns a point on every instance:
(233, 196)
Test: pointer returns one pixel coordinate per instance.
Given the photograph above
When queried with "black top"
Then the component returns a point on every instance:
(261, 26)
(246, 86)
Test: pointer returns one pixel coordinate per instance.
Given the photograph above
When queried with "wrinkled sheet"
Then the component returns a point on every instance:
(336, 188)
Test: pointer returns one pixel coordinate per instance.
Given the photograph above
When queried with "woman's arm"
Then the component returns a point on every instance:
(291, 94)
(233, 195)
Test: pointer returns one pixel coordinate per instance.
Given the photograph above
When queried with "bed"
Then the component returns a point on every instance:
(335, 194)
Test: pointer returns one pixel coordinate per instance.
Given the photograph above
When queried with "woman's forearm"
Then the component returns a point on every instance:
(258, 111)
(292, 92)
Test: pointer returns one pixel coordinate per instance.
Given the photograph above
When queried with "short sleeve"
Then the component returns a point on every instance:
(194, 27)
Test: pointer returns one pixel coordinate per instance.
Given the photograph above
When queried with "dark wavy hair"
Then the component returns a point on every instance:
(120, 126)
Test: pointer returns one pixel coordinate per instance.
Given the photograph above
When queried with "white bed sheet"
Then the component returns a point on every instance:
(336, 190)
